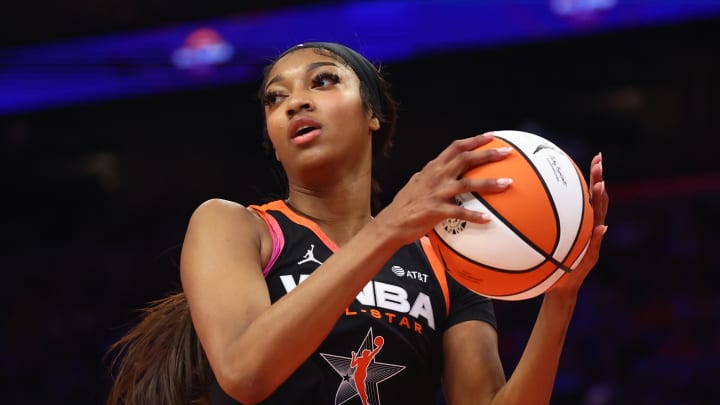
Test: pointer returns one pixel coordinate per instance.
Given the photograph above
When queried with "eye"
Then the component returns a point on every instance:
(271, 98)
(325, 79)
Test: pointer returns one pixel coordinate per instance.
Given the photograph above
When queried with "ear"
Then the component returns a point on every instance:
(374, 124)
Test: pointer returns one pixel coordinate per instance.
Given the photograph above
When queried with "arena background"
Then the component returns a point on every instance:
(97, 193)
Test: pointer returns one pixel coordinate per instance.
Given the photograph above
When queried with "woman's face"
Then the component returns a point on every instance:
(315, 115)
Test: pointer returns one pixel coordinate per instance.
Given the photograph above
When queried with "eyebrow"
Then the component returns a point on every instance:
(309, 68)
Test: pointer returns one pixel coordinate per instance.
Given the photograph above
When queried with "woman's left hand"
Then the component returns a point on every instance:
(599, 200)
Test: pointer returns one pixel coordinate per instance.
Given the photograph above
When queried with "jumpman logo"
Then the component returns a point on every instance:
(360, 373)
(310, 256)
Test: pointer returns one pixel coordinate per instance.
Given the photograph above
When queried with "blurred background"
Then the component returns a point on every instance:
(118, 118)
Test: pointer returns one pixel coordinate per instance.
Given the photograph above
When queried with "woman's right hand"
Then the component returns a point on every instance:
(428, 197)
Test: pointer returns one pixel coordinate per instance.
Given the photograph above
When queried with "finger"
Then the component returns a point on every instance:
(596, 170)
(599, 195)
(591, 257)
(473, 158)
(458, 212)
(599, 203)
(593, 252)
(478, 185)
(604, 201)
(596, 177)
(463, 145)
(483, 186)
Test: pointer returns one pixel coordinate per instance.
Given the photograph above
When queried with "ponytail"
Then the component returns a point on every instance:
(160, 361)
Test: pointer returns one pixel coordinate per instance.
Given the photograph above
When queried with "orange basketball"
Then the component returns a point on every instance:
(540, 226)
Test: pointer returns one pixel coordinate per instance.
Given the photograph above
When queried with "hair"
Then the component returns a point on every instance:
(160, 360)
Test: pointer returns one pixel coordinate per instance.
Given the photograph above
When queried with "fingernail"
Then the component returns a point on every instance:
(485, 216)
(503, 182)
(504, 150)
(604, 229)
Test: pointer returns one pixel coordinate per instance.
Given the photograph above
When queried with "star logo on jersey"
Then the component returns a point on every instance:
(360, 373)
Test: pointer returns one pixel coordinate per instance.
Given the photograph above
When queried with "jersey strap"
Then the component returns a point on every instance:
(281, 206)
(278, 239)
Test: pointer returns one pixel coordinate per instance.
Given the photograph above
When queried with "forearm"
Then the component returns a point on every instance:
(534, 376)
(280, 338)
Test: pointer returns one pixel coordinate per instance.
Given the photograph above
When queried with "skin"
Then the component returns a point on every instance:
(253, 346)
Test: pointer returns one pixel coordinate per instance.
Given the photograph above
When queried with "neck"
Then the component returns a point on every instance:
(340, 210)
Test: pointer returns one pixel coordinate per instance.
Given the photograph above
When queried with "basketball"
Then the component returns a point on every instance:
(540, 228)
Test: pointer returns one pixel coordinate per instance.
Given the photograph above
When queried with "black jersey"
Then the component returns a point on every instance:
(387, 346)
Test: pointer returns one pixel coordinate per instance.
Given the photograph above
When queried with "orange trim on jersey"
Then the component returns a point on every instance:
(439, 269)
(280, 205)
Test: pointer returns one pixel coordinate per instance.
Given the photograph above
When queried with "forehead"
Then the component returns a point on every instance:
(300, 59)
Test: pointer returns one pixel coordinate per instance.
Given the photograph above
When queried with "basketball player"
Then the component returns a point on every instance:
(311, 300)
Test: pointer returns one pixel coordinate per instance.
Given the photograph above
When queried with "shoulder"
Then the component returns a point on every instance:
(221, 221)
(220, 212)
(215, 206)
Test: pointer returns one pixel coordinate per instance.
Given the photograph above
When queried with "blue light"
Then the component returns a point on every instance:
(138, 63)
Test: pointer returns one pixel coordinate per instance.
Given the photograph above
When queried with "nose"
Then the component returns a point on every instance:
(299, 101)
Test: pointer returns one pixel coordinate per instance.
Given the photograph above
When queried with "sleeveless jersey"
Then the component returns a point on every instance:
(387, 345)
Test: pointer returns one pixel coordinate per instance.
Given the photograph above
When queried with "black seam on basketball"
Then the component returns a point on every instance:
(529, 288)
(500, 296)
(517, 232)
(481, 263)
(547, 194)
(583, 196)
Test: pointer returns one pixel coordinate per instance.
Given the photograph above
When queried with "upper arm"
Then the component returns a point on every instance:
(472, 370)
(221, 273)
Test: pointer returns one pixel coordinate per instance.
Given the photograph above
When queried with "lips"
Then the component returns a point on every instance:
(303, 130)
